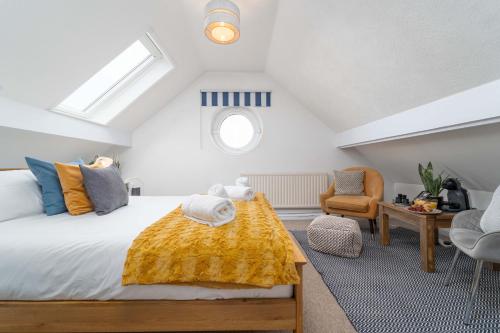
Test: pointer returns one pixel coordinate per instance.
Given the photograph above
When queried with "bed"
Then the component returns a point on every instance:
(84, 256)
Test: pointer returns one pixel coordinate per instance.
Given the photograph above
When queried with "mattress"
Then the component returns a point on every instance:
(66, 257)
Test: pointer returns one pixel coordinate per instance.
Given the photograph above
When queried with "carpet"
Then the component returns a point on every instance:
(384, 289)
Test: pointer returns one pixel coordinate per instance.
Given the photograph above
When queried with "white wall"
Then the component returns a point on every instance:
(473, 107)
(470, 154)
(16, 144)
(30, 131)
(172, 154)
(24, 117)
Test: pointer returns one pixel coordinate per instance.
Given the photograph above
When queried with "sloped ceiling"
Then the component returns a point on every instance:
(470, 154)
(48, 48)
(349, 62)
(16, 144)
(249, 53)
(352, 62)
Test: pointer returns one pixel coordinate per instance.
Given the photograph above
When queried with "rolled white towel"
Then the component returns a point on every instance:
(242, 181)
(207, 209)
(240, 192)
(218, 190)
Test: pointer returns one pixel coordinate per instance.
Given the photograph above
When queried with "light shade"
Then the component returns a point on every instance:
(222, 21)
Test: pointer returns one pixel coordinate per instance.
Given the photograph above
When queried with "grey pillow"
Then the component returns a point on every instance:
(105, 188)
(349, 182)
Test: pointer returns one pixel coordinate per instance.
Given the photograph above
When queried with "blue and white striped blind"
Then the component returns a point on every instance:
(236, 98)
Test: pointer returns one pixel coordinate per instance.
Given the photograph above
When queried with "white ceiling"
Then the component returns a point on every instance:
(50, 47)
(352, 62)
(349, 62)
(249, 53)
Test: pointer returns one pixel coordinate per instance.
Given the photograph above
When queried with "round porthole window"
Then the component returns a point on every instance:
(236, 130)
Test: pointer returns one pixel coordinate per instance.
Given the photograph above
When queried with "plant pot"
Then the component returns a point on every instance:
(439, 201)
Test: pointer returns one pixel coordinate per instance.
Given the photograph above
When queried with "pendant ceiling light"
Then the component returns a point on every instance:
(222, 21)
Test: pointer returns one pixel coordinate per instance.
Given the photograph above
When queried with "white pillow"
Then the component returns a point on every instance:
(20, 195)
(490, 221)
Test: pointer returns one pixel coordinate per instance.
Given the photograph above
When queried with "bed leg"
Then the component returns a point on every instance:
(298, 294)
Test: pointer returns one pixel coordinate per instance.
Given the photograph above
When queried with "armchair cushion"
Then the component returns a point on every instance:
(356, 203)
(349, 182)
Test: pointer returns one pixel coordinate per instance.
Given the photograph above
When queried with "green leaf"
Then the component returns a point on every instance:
(431, 184)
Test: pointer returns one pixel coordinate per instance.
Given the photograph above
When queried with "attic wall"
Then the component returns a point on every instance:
(49, 48)
(16, 144)
(477, 199)
(352, 62)
(24, 117)
(471, 154)
(172, 152)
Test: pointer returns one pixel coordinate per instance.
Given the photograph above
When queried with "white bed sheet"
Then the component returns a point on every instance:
(65, 257)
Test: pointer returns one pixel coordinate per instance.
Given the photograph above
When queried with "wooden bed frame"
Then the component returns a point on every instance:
(157, 316)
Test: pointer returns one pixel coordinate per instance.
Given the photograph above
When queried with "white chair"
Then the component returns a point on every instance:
(467, 235)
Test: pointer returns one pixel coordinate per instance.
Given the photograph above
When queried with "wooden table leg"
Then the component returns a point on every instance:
(427, 246)
(493, 266)
(385, 237)
(436, 234)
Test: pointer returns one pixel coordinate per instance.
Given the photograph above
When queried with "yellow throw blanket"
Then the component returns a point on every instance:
(254, 250)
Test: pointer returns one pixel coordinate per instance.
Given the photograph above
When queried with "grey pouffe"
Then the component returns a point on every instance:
(335, 235)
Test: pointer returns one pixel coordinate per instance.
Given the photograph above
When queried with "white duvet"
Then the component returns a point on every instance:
(65, 257)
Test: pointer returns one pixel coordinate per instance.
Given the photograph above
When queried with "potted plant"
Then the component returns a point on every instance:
(432, 185)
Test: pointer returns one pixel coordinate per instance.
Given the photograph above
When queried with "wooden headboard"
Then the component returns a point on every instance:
(10, 169)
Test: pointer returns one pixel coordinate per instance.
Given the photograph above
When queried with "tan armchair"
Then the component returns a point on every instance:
(357, 205)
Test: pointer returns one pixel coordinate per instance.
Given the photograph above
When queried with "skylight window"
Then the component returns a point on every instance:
(134, 61)
(118, 70)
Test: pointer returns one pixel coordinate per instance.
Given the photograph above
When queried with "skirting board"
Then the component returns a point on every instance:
(298, 214)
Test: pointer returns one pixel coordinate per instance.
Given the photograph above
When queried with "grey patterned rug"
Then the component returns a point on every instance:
(384, 289)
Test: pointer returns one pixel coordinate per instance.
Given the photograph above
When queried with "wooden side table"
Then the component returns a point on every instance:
(427, 224)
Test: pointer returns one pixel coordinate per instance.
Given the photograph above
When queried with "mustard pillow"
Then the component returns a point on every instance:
(75, 196)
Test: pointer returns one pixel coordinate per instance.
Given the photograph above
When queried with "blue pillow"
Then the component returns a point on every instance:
(52, 194)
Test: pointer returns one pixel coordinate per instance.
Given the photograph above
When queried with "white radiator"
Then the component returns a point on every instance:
(290, 191)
